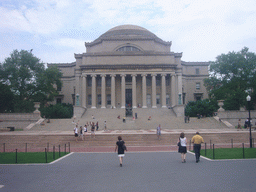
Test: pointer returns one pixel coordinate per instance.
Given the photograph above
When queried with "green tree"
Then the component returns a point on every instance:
(231, 76)
(204, 107)
(29, 80)
(57, 111)
(6, 99)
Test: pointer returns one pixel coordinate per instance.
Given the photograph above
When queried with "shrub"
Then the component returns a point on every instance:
(204, 107)
(57, 111)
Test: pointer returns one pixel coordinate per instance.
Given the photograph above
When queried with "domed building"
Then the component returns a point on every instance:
(129, 67)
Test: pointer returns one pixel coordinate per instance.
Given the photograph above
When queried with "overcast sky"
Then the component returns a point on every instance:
(56, 29)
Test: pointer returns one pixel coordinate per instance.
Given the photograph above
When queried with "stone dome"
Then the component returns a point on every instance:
(128, 32)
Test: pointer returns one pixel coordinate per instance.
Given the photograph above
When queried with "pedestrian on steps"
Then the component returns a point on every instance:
(158, 131)
(76, 131)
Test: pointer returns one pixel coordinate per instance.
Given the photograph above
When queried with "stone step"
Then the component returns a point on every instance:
(109, 140)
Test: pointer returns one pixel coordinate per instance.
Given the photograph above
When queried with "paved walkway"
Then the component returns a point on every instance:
(144, 172)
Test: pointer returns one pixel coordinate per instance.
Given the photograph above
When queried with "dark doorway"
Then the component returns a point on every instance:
(128, 102)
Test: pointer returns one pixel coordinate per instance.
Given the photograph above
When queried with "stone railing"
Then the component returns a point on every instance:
(18, 120)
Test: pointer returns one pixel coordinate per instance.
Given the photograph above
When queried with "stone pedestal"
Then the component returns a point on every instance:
(221, 103)
(37, 106)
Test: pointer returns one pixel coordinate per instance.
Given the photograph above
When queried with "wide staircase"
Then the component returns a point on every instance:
(138, 132)
(40, 142)
(165, 117)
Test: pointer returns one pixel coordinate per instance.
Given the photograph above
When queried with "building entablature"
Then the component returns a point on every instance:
(129, 66)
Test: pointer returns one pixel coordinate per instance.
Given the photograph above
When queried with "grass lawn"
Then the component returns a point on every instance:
(29, 157)
(229, 153)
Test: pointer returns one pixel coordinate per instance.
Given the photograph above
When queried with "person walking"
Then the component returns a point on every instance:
(81, 133)
(197, 140)
(76, 132)
(120, 148)
(105, 125)
(97, 126)
(93, 130)
(182, 143)
(158, 131)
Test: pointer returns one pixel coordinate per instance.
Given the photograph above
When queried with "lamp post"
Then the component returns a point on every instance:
(248, 98)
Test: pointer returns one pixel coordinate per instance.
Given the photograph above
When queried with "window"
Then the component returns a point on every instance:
(148, 81)
(99, 82)
(99, 99)
(89, 82)
(128, 49)
(157, 99)
(89, 99)
(58, 101)
(108, 82)
(108, 99)
(198, 86)
(58, 87)
(158, 81)
(167, 81)
(167, 99)
(198, 98)
(197, 71)
(148, 99)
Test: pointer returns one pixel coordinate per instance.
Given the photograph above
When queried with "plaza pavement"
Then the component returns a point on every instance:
(142, 172)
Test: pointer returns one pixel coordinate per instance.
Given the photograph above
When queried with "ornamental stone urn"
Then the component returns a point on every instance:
(37, 105)
(220, 103)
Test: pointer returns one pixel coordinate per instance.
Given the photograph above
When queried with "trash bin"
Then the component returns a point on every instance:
(11, 128)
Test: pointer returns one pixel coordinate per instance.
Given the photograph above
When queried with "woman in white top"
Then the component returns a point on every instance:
(183, 147)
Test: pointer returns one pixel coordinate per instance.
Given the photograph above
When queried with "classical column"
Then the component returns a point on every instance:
(103, 91)
(123, 91)
(93, 91)
(113, 90)
(84, 90)
(153, 90)
(134, 95)
(180, 89)
(144, 91)
(163, 91)
(173, 90)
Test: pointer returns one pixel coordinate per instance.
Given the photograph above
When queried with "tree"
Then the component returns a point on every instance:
(204, 107)
(6, 99)
(29, 80)
(57, 111)
(232, 75)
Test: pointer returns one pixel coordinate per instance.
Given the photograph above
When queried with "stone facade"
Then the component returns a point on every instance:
(128, 66)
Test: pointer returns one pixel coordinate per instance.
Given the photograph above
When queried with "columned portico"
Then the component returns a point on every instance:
(138, 98)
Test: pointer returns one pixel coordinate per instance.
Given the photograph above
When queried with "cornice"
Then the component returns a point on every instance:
(119, 53)
(128, 66)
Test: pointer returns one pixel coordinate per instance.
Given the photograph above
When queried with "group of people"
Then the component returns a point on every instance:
(182, 143)
(197, 140)
(80, 131)
(247, 123)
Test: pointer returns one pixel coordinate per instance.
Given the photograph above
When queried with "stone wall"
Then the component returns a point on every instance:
(18, 120)
(233, 116)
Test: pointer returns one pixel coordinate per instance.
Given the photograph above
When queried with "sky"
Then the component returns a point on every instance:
(57, 29)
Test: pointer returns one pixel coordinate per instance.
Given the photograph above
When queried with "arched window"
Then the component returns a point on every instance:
(128, 49)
